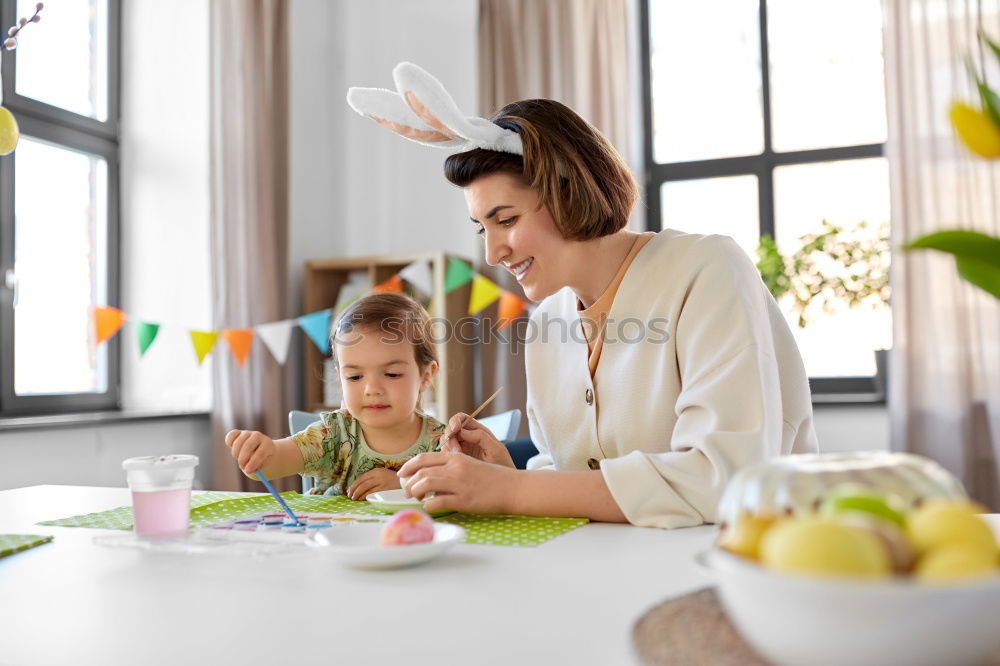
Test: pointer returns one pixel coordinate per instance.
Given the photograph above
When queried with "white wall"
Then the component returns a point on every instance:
(852, 427)
(93, 455)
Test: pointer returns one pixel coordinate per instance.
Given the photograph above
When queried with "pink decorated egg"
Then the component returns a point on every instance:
(408, 527)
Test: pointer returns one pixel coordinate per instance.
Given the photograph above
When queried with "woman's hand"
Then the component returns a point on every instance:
(472, 438)
(460, 483)
(373, 481)
(250, 448)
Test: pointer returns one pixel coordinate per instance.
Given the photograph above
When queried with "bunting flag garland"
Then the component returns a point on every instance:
(203, 342)
(145, 334)
(484, 292)
(107, 321)
(458, 274)
(393, 285)
(317, 327)
(419, 275)
(276, 337)
(239, 340)
(511, 307)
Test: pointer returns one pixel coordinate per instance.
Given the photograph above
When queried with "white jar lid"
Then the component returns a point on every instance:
(152, 463)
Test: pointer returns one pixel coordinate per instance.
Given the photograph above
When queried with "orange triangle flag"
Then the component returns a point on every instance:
(511, 307)
(239, 341)
(393, 285)
(107, 321)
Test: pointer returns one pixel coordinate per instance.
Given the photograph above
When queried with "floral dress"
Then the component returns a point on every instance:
(335, 451)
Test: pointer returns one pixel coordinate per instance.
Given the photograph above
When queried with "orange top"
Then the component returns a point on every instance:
(594, 318)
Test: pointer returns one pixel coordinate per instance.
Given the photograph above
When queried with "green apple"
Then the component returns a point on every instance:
(852, 497)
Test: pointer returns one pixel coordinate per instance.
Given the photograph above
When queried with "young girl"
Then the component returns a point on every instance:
(386, 357)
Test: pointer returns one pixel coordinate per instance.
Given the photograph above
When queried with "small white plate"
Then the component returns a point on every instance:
(392, 501)
(360, 545)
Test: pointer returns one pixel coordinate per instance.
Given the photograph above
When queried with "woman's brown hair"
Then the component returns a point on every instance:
(576, 172)
(398, 317)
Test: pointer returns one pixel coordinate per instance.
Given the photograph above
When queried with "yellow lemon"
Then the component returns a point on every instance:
(9, 133)
(949, 523)
(823, 547)
(977, 130)
(743, 537)
(954, 563)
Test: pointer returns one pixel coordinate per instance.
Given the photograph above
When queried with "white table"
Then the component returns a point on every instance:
(572, 600)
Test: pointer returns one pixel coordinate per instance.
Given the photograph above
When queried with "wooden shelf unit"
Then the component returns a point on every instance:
(321, 284)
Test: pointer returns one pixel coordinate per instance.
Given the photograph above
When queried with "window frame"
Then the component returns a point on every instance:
(762, 165)
(64, 129)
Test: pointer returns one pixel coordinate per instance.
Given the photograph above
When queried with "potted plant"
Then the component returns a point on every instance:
(977, 255)
(833, 265)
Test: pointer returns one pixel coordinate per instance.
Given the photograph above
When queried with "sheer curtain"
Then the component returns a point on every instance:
(945, 390)
(573, 51)
(249, 216)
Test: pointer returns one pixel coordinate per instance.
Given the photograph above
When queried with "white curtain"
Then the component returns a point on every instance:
(572, 51)
(945, 368)
(249, 216)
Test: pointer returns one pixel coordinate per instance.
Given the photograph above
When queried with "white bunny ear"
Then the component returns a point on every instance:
(424, 112)
(428, 99)
(388, 109)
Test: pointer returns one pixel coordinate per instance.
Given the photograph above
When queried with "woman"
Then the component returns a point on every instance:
(657, 364)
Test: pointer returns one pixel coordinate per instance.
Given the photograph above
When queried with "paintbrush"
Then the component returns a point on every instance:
(274, 493)
(488, 400)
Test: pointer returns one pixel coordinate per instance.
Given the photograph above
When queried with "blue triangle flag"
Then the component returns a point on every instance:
(317, 327)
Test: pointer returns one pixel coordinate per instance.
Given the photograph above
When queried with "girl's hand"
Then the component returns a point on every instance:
(460, 483)
(373, 481)
(474, 439)
(251, 449)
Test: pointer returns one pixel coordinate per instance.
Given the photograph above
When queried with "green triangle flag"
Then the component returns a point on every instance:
(458, 273)
(146, 333)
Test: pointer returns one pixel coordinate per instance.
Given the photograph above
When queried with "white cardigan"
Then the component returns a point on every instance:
(716, 382)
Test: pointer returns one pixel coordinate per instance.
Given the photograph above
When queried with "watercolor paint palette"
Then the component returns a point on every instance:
(254, 535)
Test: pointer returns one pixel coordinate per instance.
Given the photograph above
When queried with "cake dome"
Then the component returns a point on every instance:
(790, 485)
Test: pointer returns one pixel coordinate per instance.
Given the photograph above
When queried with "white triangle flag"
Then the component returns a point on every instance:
(419, 275)
(358, 284)
(276, 336)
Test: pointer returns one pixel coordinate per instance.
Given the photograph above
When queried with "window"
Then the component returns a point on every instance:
(767, 118)
(59, 208)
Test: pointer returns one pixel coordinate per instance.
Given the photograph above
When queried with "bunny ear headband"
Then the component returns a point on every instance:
(423, 111)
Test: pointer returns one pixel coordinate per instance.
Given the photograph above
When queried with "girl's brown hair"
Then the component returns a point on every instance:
(398, 317)
(576, 172)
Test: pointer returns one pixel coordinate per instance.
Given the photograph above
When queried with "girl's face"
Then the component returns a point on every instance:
(519, 233)
(380, 377)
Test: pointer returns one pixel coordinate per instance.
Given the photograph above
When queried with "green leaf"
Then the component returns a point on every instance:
(977, 255)
(984, 275)
(966, 244)
(990, 43)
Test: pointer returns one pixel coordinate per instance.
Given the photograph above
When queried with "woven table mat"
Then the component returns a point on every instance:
(693, 630)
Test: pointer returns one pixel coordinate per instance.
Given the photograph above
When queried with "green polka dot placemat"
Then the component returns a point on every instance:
(15, 543)
(214, 507)
(511, 530)
(121, 518)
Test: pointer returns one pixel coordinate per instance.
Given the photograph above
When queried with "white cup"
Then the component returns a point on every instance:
(161, 493)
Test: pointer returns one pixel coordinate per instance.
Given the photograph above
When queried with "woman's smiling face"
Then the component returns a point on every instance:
(518, 233)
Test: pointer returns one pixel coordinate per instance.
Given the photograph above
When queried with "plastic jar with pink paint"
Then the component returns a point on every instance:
(161, 493)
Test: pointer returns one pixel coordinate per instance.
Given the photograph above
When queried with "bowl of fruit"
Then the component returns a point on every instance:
(837, 561)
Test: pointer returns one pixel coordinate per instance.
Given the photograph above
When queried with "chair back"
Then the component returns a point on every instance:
(297, 422)
(503, 425)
